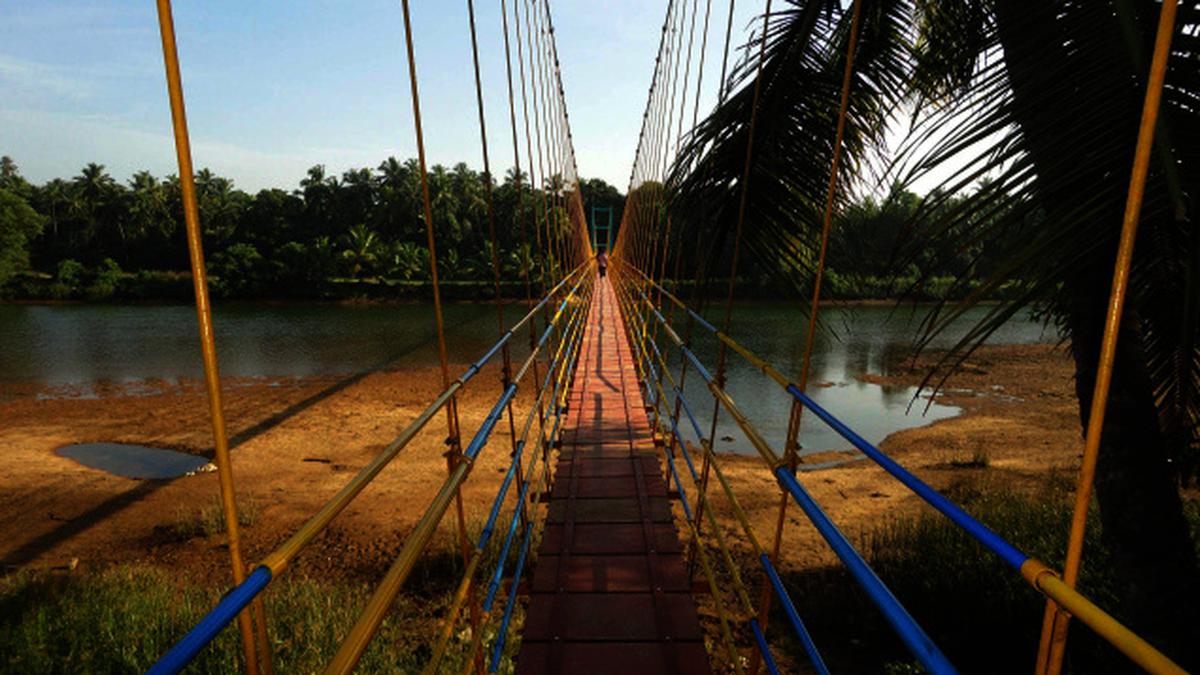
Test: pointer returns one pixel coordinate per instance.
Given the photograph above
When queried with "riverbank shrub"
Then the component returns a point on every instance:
(68, 279)
(106, 279)
(210, 520)
(19, 225)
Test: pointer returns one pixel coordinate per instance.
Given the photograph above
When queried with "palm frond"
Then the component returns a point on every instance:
(1053, 124)
(801, 75)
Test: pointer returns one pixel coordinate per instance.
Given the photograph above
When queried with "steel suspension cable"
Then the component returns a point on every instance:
(662, 145)
(631, 232)
(534, 169)
(549, 126)
(756, 628)
(368, 623)
(679, 249)
(550, 129)
(698, 273)
(667, 151)
(526, 272)
(512, 115)
(506, 363)
(670, 157)
(558, 135)
(744, 188)
(352, 649)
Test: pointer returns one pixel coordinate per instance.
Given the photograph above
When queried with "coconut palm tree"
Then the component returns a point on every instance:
(150, 224)
(399, 199)
(406, 260)
(1043, 97)
(319, 191)
(220, 206)
(361, 249)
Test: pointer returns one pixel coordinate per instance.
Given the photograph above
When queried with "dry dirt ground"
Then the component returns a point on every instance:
(298, 441)
(1019, 427)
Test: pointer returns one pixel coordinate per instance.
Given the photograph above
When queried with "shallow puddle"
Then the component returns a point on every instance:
(134, 461)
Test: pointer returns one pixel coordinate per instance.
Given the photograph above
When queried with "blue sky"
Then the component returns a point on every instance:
(275, 87)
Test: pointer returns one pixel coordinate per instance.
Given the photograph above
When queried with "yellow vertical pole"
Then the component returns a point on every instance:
(1052, 646)
(208, 345)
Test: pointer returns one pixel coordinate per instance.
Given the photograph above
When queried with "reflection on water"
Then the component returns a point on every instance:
(77, 344)
(70, 346)
(134, 461)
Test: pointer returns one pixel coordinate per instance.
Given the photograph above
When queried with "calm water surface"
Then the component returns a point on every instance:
(856, 340)
(80, 344)
(135, 461)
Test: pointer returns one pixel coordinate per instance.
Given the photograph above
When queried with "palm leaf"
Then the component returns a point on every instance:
(1057, 119)
(801, 73)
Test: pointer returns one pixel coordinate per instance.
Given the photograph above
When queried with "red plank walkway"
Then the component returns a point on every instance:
(610, 592)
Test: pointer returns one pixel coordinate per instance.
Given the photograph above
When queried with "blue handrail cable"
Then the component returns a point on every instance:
(793, 615)
(919, 644)
(982, 533)
(241, 595)
(198, 637)
(763, 648)
(902, 622)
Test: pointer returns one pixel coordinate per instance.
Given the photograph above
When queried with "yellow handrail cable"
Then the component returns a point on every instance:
(460, 593)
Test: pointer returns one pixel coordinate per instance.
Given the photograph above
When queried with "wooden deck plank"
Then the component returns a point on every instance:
(609, 591)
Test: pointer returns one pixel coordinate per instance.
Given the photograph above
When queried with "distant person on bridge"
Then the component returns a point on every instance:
(602, 262)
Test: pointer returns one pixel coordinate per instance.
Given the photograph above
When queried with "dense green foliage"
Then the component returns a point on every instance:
(362, 229)
(122, 619)
(361, 235)
(19, 224)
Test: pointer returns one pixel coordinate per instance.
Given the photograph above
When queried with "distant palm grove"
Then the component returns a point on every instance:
(362, 235)
(358, 234)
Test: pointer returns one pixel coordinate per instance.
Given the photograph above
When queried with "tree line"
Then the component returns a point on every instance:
(94, 236)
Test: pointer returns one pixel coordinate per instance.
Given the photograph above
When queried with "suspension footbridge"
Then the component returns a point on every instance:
(602, 536)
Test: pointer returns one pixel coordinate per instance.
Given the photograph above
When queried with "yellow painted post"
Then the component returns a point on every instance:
(208, 345)
(1052, 646)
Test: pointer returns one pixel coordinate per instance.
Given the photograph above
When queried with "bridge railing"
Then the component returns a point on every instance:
(570, 298)
(646, 320)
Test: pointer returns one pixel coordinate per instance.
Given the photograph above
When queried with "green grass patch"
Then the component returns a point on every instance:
(210, 520)
(979, 460)
(122, 619)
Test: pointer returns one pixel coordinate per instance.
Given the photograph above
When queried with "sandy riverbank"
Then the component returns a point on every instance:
(298, 441)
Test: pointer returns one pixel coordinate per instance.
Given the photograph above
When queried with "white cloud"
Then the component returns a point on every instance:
(20, 78)
(49, 145)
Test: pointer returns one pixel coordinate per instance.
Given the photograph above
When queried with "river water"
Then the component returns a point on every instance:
(75, 345)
